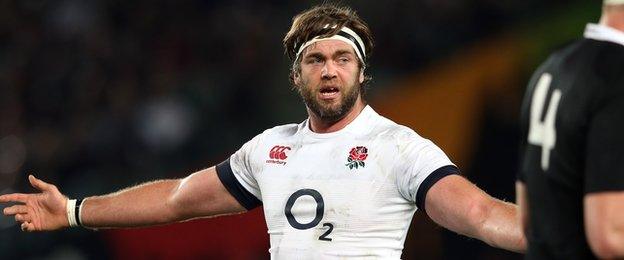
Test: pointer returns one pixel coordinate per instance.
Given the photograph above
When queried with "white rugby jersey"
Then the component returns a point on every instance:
(346, 194)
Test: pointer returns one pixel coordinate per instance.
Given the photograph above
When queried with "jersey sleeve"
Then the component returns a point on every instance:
(238, 175)
(421, 164)
(604, 170)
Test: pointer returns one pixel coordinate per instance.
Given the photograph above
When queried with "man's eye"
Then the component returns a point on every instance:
(313, 60)
(343, 59)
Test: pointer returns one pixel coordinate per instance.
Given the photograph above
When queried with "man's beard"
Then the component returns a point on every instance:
(329, 113)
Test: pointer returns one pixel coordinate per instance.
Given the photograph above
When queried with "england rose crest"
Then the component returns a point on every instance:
(356, 157)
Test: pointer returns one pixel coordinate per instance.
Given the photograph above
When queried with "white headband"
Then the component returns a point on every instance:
(613, 2)
(346, 35)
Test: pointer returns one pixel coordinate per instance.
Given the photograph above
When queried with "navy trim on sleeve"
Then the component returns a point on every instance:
(244, 197)
(434, 177)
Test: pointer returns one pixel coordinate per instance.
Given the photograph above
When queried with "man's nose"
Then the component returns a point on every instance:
(329, 70)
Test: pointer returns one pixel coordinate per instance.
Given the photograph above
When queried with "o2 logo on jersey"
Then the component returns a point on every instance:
(356, 158)
(320, 209)
(278, 154)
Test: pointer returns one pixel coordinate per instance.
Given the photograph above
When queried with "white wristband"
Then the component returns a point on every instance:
(79, 220)
(71, 213)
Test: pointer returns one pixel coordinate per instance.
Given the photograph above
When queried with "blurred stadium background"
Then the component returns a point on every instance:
(99, 95)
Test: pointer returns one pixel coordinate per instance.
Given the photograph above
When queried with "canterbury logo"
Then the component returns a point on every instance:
(278, 152)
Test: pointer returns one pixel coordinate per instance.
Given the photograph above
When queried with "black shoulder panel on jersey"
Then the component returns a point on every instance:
(434, 177)
(244, 197)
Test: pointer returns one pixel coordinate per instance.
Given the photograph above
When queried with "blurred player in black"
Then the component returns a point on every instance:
(571, 182)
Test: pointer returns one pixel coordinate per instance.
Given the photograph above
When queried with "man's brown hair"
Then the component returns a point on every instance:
(313, 22)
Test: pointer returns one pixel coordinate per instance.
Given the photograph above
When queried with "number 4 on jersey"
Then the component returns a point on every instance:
(543, 133)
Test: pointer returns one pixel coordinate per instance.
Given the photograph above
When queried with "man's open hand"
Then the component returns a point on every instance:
(38, 211)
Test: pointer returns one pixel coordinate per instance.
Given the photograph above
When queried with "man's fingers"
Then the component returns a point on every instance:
(15, 209)
(27, 226)
(22, 218)
(39, 184)
(14, 197)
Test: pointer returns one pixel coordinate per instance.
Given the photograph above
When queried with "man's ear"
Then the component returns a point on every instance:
(297, 78)
(362, 76)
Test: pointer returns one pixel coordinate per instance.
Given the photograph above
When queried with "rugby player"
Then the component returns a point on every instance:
(344, 183)
(570, 186)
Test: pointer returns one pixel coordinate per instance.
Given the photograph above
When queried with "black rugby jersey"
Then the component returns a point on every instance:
(572, 140)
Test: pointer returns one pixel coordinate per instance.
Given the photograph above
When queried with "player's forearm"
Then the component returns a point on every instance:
(608, 242)
(611, 246)
(501, 227)
(142, 205)
(604, 224)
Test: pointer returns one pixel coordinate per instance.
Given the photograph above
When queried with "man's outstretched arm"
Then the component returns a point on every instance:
(458, 205)
(201, 194)
(523, 207)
